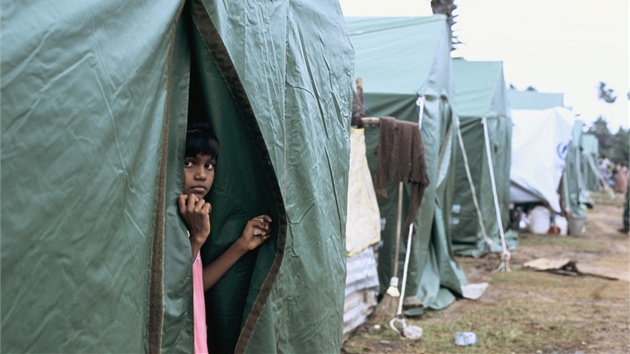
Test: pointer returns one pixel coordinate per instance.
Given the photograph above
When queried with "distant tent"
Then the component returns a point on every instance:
(540, 143)
(534, 99)
(581, 175)
(590, 153)
(95, 97)
(405, 66)
(486, 132)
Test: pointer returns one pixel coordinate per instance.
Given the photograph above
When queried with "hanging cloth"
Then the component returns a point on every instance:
(400, 158)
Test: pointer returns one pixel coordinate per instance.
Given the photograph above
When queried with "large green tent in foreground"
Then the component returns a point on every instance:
(95, 97)
(405, 65)
(482, 161)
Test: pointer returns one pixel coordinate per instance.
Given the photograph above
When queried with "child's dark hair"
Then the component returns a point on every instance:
(201, 140)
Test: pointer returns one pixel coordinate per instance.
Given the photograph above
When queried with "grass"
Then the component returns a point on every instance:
(537, 311)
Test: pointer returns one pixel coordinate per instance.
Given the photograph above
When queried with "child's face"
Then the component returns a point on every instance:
(198, 174)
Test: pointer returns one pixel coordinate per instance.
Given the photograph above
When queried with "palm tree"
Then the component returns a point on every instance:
(446, 7)
(605, 93)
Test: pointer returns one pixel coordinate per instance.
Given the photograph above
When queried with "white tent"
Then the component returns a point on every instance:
(540, 141)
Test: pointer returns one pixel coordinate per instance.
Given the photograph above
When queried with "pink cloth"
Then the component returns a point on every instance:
(199, 308)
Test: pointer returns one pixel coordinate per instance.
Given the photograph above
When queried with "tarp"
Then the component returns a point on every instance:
(534, 99)
(363, 229)
(480, 98)
(363, 224)
(540, 142)
(401, 60)
(95, 97)
(361, 290)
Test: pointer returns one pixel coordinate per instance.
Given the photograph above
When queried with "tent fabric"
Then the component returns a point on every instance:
(571, 176)
(363, 225)
(590, 152)
(98, 261)
(540, 143)
(401, 60)
(534, 100)
(480, 95)
(387, 40)
(85, 113)
(295, 79)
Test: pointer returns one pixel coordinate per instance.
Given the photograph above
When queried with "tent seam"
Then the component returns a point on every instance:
(215, 46)
(155, 317)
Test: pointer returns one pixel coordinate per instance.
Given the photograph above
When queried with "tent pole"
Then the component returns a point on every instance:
(398, 227)
(473, 190)
(420, 105)
(505, 257)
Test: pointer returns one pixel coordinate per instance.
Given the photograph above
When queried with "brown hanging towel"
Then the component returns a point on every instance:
(400, 158)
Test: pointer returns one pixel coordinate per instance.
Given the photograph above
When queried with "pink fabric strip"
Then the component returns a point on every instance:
(199, 308)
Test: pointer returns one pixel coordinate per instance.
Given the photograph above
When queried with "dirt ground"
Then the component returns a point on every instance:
(530, 311)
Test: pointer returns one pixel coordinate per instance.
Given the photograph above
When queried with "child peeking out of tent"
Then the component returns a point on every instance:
(202, 149)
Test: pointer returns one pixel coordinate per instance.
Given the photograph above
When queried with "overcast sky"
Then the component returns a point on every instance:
(560, 46)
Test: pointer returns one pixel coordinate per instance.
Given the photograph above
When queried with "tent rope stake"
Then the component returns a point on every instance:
(505, 256)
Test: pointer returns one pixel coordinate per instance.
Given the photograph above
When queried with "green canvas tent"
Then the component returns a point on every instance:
(581, 174)
(534, 99)
(481, 197)
(590, 153)
(95, 98)
(405, 66)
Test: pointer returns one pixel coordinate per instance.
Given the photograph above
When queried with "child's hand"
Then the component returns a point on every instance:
(196, 214)
(256, 231)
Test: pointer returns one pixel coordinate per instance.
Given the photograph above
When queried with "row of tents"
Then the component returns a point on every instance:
(489, 149)
(95, 100)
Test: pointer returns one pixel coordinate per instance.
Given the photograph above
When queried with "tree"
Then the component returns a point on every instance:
(599, 128)
(446, 7)
(605, 93)
(615, 147)
(620, 150)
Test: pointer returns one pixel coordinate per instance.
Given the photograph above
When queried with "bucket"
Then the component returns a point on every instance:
(539, 220)
(577, 226)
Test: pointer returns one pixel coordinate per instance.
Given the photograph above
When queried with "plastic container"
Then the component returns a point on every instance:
(562, 224)
(465, 338)
(539, 220)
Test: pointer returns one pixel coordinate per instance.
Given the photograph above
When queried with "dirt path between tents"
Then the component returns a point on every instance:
(530, 311)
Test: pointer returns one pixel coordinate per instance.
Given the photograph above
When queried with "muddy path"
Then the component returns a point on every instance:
(531, 311)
